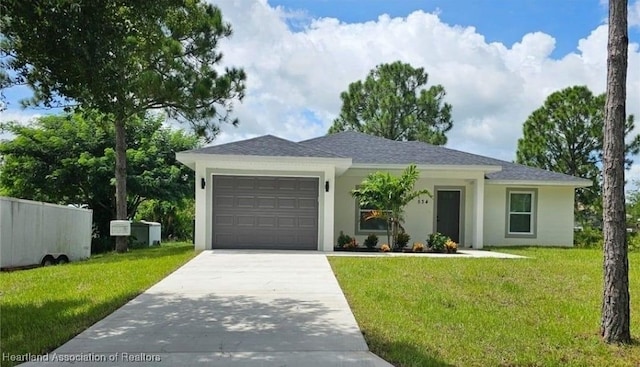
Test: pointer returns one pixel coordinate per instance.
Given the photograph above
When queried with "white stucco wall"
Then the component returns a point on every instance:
(419, 221)
(554, 216)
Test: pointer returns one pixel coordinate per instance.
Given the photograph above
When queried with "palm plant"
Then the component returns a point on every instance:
(389, 195)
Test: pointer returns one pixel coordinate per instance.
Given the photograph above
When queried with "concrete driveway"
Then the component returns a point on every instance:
(231, 308)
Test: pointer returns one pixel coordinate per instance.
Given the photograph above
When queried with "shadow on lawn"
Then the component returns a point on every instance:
(404, 355)
(137, 254)
(40, 326)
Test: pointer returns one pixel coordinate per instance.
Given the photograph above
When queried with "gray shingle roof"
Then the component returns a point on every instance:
(267, 145)
(367, 149)
(363, 148)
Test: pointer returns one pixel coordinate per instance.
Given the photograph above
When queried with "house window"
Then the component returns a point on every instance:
(366, 226)
(521, 212)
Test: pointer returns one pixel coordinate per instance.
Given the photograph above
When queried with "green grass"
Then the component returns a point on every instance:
(541, 311)
(42, 308)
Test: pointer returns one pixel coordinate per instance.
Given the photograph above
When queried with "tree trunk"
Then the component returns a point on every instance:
(389, 233)
(615, 327)
(121, 180)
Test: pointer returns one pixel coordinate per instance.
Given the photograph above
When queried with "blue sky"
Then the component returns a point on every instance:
(504, 21)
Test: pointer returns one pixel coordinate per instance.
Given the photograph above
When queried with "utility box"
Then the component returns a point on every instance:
(146, 233)
(120, 228)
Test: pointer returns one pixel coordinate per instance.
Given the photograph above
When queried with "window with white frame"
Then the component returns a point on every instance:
(521, 212)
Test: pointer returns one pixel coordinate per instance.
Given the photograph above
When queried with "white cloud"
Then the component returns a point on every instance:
(19, 116)
(492, 87)
(633, 17)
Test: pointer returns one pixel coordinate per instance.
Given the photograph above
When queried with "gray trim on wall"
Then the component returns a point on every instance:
(462, 189)
(534, 214)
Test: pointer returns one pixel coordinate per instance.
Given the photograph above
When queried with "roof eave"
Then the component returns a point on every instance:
(189, 159)
(432, 167)
(576, 183)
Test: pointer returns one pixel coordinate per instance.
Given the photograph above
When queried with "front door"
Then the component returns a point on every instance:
(448, 213)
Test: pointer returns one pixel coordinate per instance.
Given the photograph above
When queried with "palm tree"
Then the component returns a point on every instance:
(388, 195)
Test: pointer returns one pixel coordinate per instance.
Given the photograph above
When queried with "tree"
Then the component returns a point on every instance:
(394, 103)
(388, 195)
(632, 205)
(176, 216)
(122, 58)
(565, 135)
(616, 317)
(69, 159)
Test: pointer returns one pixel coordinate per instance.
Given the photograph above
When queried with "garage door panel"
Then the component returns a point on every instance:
(307, 222)
(267, 183)
(286, 222)
(224, 183)
(268, 222)
(307, 239)
(287, 240)
(304, 203)
(267, 202)
(224, 220)
(225, 201)
(245, 220)
(263, 239)
(309, 186)
(286, 203)
(265, 212)
(246, 202)
(287, 184)
(223, 237)
(245, 183)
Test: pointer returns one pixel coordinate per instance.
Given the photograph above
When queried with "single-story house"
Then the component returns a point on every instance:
(272, 193)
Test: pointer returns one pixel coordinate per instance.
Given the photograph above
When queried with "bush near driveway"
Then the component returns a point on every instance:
(540, 311)
(42, 308)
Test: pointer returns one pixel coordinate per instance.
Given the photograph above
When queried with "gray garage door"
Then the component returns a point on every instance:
(265, 212)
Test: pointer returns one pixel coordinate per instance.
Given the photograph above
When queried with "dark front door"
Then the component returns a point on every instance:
(448, 213)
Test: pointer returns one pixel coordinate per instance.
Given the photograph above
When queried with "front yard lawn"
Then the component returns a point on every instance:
(541, 311)
(42, 308)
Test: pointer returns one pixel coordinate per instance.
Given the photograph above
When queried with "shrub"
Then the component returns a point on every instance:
(633, 240)
(385, 248)
(451, 246)
(343, 239)
(371, 241)
(351, 244)
(417, 247)
(437, 241)
(402, 239)
(589, 237)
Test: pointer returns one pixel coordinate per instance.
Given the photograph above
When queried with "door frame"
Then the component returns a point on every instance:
(461, 221)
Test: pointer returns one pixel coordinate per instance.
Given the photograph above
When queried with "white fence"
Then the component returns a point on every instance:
(31, 230)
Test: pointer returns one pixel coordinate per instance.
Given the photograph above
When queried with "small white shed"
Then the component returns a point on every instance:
(146, 233)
